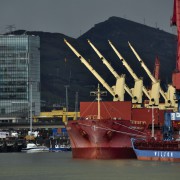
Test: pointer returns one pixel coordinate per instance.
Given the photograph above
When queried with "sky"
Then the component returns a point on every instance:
(75, 17)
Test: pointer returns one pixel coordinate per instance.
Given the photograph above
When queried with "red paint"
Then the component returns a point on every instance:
(109, 137)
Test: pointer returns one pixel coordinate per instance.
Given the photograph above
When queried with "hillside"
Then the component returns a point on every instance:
(60, 67)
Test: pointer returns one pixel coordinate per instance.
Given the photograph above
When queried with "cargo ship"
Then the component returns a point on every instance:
(107, 134)
(102, 138)
(157, 149)
(166, 148)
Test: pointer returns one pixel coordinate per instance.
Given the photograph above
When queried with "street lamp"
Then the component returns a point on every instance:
(30, 106)
(66, 86)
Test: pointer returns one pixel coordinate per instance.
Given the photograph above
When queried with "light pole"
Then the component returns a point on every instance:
(31, 103)
(66, 86)
(30, 106)
(76, 105)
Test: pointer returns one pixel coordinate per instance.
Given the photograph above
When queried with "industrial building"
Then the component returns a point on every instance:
(19, 77)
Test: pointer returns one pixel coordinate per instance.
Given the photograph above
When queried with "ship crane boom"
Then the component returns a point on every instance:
(124, 62)
(169, 96)
(143, 64)
(100, 79)
(153, 79)
(138, 82)
(108, 65)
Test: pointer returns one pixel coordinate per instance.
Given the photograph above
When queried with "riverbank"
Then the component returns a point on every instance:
(13, 140)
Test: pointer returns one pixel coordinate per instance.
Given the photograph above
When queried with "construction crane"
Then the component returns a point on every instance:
(156, 89)
(138, 88)
(116, 75)
(176, 21)
(116, 94)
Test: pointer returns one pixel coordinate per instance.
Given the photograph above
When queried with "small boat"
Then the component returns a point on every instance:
(59, 148)
(32, 147)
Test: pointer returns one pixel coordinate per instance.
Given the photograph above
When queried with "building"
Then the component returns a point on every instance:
(19, 77)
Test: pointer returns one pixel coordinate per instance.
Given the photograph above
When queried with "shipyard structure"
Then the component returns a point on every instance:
(19, 77)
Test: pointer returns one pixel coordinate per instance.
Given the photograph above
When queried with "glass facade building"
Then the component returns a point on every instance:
(19, 77)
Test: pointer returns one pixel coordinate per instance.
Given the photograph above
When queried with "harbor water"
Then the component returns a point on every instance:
(61, 166)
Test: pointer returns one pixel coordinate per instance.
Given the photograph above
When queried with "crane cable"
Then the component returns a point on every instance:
(105, 128)
(130, 128)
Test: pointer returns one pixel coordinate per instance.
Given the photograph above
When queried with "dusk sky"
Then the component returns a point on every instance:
(75, 17)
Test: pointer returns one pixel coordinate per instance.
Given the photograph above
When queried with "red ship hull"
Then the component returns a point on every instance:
(103, 153)
(109, 137)
(102, 139)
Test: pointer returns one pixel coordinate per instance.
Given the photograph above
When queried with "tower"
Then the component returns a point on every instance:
(19, 77)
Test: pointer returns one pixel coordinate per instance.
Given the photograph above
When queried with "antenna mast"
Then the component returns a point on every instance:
(98, 94)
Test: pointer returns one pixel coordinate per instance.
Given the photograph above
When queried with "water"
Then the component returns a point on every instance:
(61, 166)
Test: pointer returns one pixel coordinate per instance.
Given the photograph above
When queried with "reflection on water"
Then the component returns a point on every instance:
(61, 166)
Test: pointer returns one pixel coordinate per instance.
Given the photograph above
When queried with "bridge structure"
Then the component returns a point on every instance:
(51, 119)
(62, 115)
(35, 125)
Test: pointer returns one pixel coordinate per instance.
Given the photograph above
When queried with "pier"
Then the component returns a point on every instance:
(49, 134)
(36, 125)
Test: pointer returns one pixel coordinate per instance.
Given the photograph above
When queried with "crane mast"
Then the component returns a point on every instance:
(117, 91)
(155, 83)
(176, 21)
(137, 90)
(168, 96)
(108, 65)
(100, 79)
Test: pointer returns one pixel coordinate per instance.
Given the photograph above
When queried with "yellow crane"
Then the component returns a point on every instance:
(169, 96)
(138, 87)
(119, 86)
(92, 70)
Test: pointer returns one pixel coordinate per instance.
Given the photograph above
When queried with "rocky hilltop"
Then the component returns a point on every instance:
(60, 67)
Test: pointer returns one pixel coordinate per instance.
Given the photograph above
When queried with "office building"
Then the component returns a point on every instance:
(19, 77)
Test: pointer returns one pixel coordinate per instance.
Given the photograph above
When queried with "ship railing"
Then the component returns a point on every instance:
(131, 128)
(142, 144)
